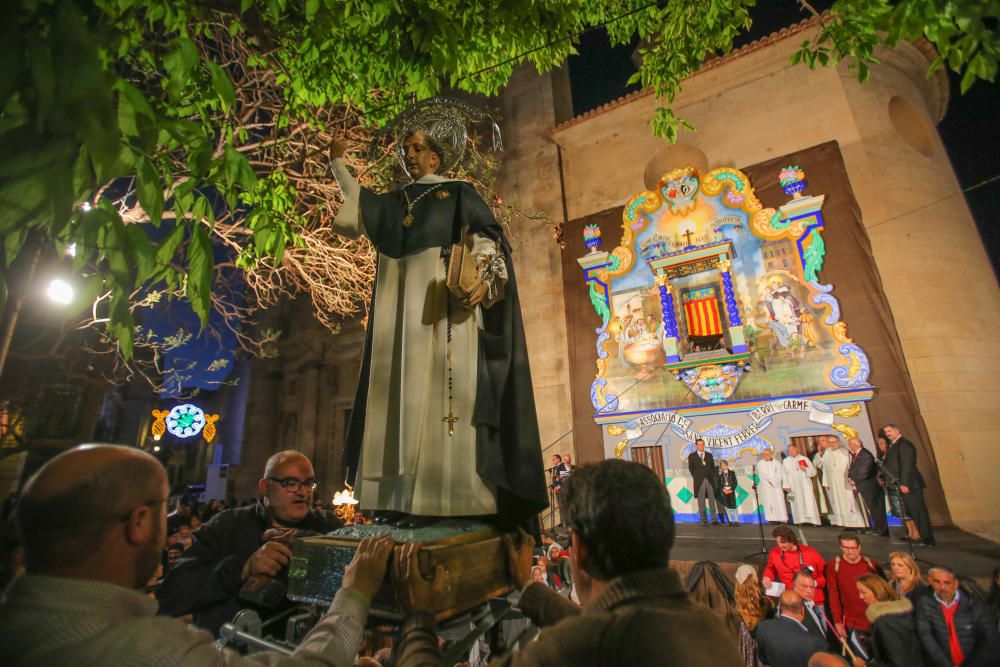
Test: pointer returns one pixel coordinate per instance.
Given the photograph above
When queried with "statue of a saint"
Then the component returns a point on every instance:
(444, 420)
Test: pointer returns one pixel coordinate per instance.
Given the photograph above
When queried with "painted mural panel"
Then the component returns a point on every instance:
(711, 298)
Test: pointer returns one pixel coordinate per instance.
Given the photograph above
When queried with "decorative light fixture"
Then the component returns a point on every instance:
(345, 503)
(159, 426)
(185, 421)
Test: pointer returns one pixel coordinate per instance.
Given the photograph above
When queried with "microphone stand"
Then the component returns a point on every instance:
(892, 482)
(760, 523)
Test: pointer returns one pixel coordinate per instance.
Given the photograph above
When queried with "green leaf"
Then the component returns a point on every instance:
(118, 253)
(200, 271)
(237, 170)
(43, 76)
(142, 249)
(149, 189)
(120, 323)
(168, 248)
(222, 85)
(180, 63)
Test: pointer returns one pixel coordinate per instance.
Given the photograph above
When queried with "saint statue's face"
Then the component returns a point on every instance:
(421, 159)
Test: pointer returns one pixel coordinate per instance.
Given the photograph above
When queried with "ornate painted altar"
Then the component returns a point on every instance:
(714, 323)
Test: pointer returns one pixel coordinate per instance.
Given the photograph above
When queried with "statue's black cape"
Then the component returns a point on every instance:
(508, 449)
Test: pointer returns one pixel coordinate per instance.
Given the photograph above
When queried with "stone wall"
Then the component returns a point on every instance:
(532, 105)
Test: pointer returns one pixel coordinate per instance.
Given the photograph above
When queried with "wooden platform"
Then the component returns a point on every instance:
(471, 552)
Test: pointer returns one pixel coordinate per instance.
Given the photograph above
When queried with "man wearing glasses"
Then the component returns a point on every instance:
(243, 553)
(93, 522)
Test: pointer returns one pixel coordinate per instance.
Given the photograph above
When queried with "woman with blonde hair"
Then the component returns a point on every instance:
(894, 640)
(752, 607)
(906, 580)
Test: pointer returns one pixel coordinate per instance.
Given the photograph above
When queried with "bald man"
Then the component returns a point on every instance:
(93, 523)
(784, 641)
(246, 550)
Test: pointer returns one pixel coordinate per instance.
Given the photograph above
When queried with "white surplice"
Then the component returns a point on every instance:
(818, 484)
(409, 462)
(844, 508)
(799, 472)
(772, 496)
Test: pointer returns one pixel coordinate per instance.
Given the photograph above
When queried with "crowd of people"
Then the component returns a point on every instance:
(95, 530)
(802, 605)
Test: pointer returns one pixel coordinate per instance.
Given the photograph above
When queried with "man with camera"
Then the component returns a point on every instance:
(789, 557)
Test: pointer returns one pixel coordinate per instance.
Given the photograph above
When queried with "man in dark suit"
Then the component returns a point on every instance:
(863, 473)
(559, 472)
(784, 641)
(702, 468)
(814, 617)
(901, 468)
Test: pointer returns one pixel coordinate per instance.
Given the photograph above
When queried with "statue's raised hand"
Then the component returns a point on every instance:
(338, 147)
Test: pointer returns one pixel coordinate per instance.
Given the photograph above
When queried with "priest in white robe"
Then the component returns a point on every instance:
(844, 507)
(799, 473)
(818, 487)
(771, 487)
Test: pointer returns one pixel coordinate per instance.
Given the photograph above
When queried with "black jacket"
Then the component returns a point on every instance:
(974, 625)
(727, 499)
(781, 642)
(701, 471)
(901, 464)
(863, 469)
(207, 579)
(894, 635)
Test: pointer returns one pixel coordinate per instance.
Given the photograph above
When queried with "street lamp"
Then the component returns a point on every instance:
(60, 291)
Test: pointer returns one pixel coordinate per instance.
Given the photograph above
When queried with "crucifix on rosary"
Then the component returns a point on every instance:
(451, 419)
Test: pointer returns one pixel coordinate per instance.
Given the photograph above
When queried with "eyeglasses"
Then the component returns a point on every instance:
(294, 483)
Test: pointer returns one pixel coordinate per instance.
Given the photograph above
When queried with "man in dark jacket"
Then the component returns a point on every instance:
(635, 609)
(701, 465)
(784, 641)
(863, 474)
(247, 549)
(954, 628)
(901, 468)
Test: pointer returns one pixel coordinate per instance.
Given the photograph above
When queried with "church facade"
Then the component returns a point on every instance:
(902, 258)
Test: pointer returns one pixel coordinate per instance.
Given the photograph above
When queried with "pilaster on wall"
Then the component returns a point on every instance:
(936, 276)
(532, 105)
(301, 399)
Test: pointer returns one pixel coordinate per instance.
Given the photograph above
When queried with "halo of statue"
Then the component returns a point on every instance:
(446, 121)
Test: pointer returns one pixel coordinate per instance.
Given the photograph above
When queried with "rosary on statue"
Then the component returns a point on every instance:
(451, 418)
